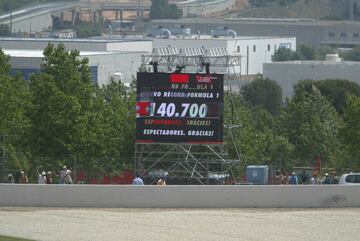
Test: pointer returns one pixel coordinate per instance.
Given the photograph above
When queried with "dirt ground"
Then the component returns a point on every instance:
(52, 224)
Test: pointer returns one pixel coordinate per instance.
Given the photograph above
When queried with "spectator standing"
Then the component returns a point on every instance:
(278, 178)
(62, 175)
(334, 178)
(23, 178)
(67, 178)
(49, 179)
(285, 179)
(315, 180)
(326, 179)
(11, 178)
(293, 179)
(42, 178)
(137, 181)
(304, 178)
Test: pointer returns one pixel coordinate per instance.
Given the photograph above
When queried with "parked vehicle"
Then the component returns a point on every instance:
(350, 179)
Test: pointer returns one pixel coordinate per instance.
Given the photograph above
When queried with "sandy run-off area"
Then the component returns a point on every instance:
(52, 224)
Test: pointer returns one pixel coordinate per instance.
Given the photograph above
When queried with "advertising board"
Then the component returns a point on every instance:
(179, 108)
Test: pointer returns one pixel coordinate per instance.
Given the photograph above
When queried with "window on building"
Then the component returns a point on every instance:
(332, 35)
(356, 35)
(268, 47)
(254, 48)
(343, 35)
(238, 49)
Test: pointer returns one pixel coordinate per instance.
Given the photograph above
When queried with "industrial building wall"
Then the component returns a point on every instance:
(254, 51)
(125, 63)
(40, 44)
(287, 74)
(257, 51)
(135, 46)
(102, 66)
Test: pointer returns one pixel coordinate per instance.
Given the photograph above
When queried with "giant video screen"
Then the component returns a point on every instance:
(179, 108)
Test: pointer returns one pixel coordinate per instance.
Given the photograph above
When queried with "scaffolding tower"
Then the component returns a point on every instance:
(189, 163)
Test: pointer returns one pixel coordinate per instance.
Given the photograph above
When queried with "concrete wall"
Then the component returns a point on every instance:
(287, 74)
(124, 196)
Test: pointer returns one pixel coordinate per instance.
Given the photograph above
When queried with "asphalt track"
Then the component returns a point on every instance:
(53, 224)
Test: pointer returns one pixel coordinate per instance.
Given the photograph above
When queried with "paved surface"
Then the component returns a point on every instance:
(52, 224)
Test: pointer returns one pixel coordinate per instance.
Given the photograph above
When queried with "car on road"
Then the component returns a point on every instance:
(350, 179)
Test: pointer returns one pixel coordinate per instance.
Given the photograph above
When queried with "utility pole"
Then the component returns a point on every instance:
(11, 11)
(2, 157)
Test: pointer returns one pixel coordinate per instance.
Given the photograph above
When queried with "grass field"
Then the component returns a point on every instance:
(6, 238)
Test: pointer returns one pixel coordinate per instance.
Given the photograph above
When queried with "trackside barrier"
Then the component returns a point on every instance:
(127, 196)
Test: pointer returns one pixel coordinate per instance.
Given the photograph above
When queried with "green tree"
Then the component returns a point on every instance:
(311, 124)
(305, 52)
(284, 54)
(116, 122)
(161, 9)
(353, 55)
(350, 132)
(5, 66)
(62, 99)
(263, 92)
(252, 135)
(335, 90)
(14, 96)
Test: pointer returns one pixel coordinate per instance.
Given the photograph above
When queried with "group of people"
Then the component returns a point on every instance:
(303, 178)
(64, 177)
(137, 181)
(22, 178)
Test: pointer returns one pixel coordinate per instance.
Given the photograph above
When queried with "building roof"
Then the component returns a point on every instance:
(317, 62)
(38, 53)
(220, 38)
(117, 40)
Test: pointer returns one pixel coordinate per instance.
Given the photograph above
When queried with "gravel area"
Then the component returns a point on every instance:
(53, 224)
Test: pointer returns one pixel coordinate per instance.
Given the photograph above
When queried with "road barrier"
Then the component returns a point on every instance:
(127, 196)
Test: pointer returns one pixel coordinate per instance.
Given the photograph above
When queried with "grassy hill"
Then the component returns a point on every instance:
(317, 9)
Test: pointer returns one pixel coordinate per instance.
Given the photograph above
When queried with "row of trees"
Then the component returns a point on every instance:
(162, 9)
(306, 52)
(59, 117)
(319, 122)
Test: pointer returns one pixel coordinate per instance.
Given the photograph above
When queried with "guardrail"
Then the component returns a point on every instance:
(127, 196)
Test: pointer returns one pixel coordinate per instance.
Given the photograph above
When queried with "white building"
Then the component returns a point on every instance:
(103, 65)
(107, 57)
(287, 74)
(254, 51)
(122, 44)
